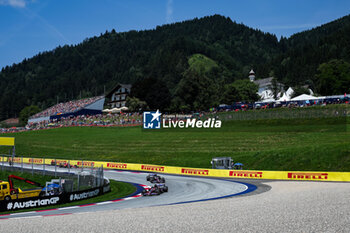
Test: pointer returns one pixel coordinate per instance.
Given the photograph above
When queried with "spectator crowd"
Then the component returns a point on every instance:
(67, 107)
(121, 119)
(131, 119)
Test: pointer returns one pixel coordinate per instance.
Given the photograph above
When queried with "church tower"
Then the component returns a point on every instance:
(251, 75)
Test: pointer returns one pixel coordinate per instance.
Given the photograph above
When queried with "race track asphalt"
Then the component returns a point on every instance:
(289, 206)
(181, 189)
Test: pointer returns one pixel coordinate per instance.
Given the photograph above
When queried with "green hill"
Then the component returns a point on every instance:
(162, 53)
(303, 52)
(86, 69)
(201, 64)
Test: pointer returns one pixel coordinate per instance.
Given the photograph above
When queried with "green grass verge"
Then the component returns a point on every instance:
(41, 179)
(294, 144)
(118, 190)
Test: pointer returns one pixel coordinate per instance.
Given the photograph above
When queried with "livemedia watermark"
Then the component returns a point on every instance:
(155, 120)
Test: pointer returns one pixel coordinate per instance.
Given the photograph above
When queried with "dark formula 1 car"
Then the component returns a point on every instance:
(154, 178)
(162, 187)
(151, 191)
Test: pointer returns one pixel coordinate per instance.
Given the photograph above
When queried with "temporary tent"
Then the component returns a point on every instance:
(304, 97)
(270, 100)
(285, 97)
(289, 92)
(115, 110)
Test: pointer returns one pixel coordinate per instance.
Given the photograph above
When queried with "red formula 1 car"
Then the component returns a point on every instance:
(162, 188)
(67, 165)
(153, 191)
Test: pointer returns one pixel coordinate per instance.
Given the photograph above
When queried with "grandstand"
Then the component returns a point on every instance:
(88, 106)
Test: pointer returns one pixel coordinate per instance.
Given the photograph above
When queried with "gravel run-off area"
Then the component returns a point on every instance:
(287, 207)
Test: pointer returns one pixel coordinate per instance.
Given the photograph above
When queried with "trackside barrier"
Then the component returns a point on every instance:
(27, 203)
(250, 174)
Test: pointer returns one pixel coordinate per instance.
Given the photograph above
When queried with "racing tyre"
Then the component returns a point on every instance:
(7, 198)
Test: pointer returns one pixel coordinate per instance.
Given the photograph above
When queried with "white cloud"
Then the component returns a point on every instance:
(13, 3)
(281, 27)
(169, 11)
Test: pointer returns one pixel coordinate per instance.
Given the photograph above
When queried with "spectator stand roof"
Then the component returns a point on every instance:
(88, 106)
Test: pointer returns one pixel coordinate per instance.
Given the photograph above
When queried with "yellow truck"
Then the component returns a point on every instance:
(8, 192)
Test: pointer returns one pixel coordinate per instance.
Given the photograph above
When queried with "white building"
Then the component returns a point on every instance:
(265, 87)
(117, 96)
(252, 75)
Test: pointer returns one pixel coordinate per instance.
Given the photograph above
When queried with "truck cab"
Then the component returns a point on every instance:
(8, 192)
(5, 191)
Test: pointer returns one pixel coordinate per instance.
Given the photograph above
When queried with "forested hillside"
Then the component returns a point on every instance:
(303, 52)
(172, 56)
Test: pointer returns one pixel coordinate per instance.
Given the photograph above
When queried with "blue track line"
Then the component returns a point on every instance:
(250, 188)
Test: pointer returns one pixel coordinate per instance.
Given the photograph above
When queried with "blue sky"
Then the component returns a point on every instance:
(28, 27)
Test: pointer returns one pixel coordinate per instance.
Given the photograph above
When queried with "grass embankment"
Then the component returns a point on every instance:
(288, 113)
(295, 144)
(118, 190)
(41, 179)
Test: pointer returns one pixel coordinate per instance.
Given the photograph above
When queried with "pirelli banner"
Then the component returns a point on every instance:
(248, 174)
(275, 175)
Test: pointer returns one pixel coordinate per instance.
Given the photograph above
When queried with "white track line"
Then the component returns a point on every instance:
(30, 212)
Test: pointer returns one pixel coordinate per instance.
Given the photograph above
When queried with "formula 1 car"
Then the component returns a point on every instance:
(67, 165)
(162, 188)
(154, 178)
(63, 164)
(52, 189)
(151, 191)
